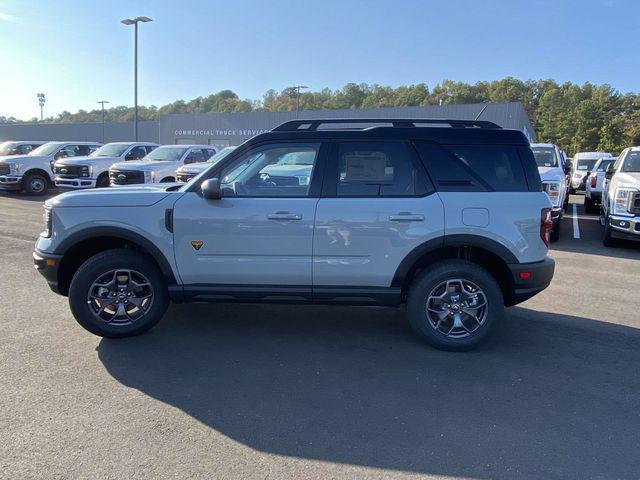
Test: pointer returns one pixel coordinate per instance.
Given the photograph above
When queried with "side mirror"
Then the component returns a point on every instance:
(211, 189)
(609, 173)
(567, 168)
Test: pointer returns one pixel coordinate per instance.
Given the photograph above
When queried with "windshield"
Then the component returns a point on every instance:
(545, 156)
(166, 154)
(46, 149)
(6, 148)
(584, 165)
(604, 164)
(299, 158)
(221, 154)
(631, 163)
(110, 150)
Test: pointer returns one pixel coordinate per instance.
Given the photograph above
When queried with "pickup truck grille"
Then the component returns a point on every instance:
(185, 177)
(634, 204)
(4, 169)
(70, 171)
(126, 177)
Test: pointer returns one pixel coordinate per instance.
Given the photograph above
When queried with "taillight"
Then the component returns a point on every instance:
(546, 225)
(594, 179)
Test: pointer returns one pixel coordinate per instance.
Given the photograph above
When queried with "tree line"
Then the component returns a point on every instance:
(575, 117)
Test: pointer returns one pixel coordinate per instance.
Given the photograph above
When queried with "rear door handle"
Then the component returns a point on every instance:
(406, 217)
(284, 216)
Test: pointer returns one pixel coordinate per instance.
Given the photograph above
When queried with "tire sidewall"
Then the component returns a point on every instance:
(102, 181)
(438, 273)
(27, 184)
(98, 265)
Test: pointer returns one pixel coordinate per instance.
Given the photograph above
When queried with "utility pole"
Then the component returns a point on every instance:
(134, 22)
(102, 102)
(297, 88)
(41, 100)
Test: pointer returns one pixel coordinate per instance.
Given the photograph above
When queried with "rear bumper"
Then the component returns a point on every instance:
(10, 182)
(529, 279)
(48, 264)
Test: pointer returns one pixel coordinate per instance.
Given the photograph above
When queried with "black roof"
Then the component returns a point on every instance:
(459, 132)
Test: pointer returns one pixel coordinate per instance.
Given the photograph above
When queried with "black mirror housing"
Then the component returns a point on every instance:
(211, 189)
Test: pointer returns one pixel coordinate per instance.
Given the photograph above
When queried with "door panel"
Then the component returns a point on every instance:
(361, 241)
(245, 241)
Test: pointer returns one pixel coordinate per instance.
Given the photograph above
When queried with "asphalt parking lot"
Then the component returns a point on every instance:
(243, 391)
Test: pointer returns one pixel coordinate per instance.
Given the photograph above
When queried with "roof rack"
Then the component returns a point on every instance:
(312, 125)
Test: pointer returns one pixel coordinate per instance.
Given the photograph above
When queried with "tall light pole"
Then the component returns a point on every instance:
(102, 102)
(134, 22)
(41, 100)
(297, 88)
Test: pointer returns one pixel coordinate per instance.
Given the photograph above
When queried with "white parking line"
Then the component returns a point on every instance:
(576, 228)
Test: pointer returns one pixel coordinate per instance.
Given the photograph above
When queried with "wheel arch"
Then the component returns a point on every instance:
(40, 171)
(487, 253)
(79, 247)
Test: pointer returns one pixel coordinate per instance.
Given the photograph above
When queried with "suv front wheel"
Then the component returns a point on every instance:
(454, 305)
(118, 293)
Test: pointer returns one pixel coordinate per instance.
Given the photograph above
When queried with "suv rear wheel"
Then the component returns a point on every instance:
(454, 305)
(118, 293)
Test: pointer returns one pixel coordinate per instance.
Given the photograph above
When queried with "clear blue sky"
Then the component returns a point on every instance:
(77, 52)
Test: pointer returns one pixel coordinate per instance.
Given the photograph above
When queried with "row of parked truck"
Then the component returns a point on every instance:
(611, 186)
(34, 167)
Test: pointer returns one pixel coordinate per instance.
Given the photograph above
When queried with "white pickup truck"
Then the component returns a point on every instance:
(33, 173)
(620, 213)
(187, 172)
(93, 170)
(160, 165)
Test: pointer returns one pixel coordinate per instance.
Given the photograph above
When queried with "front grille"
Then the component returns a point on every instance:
(126, 177)
(67, 171)
(4, 169)
(185, 177)
(634, 204)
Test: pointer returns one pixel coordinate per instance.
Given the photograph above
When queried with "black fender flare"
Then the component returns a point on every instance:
(124, 234)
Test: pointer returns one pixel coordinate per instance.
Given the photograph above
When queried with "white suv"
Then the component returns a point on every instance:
(93, 170)
(160, 165)
(33, 173)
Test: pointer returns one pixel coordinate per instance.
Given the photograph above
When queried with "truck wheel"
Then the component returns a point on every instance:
(555, 231)
(35, 184)
(103, 180)
(118, 293)
(607, 239)
(454, 305)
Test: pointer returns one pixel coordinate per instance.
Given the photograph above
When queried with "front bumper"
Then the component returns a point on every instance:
(627, 228)
(529, 279)
(75, 183)
(10, 182)
(48, 264)
(579, 184)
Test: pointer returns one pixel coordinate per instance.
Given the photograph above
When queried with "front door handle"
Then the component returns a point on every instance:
(406, 217)
(284, 216)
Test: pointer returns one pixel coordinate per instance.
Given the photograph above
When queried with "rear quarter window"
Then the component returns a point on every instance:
(474, 168)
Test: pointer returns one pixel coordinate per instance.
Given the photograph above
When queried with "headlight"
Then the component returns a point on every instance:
(553, 190)
(149, 177)
(303, 181)
(52, 165)
(621, 201)
(14, 168)
(47, 218)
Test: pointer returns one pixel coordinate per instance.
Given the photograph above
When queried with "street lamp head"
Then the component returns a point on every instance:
(128, 21)
(143, 19)
(133, 21)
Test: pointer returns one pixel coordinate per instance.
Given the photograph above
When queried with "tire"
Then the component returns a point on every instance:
(102, 181)
(117, 321)
(167, 180)
(422, 295)
(35, 184)
(589, 205)
(607, 239)
(572, 191)
(555, 231)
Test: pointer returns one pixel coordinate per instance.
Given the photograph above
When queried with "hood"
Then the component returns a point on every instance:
(144, 165)
(20, 158)
(288, 170)
(195, 167)
(87, 161)
(551, 174)
(628, 179)
(133, 196)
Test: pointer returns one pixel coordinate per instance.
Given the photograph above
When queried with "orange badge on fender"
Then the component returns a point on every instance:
(197, 244)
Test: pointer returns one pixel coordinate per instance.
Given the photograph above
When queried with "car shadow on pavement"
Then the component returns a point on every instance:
(549, 396)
